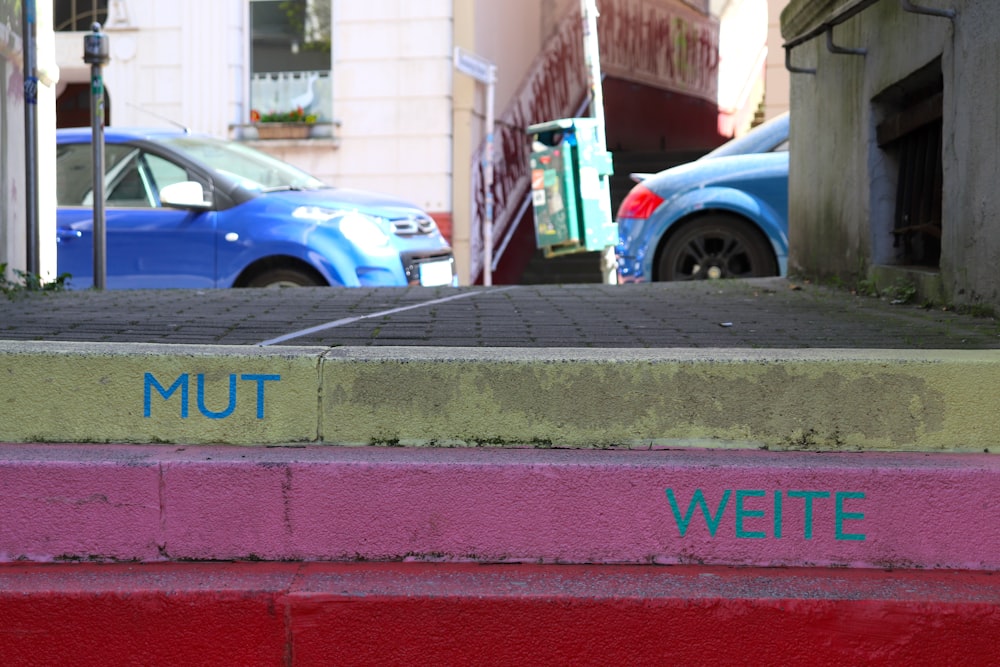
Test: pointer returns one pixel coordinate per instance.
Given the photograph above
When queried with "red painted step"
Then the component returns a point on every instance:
(462, 613)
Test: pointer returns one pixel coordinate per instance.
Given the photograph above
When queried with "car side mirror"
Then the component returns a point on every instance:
(187, 194)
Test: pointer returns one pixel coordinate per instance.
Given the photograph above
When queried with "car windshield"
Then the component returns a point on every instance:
(253, 169)
(765, 138)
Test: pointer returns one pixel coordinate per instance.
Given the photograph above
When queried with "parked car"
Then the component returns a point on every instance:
(192, 211)
(725, 215)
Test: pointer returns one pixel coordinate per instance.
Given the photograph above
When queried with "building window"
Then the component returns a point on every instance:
(290, 59)
(910, 134)
(79, 15)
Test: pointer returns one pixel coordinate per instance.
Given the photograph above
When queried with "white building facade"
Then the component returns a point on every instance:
(376, 80)
(388, 110)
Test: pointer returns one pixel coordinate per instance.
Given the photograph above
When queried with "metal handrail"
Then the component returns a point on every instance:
(835, 20)
(929, 11)
(834, 48)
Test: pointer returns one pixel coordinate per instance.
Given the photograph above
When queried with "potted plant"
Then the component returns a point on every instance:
(294, 124)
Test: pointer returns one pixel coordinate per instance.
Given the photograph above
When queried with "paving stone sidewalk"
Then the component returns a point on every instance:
(761, 313)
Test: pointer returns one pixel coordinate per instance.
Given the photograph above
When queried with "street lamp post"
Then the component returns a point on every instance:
(592, 58)
(95, 54)
(33, 261)
(485, 72)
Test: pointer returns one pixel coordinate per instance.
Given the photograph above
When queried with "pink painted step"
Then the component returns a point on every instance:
(746, 508)
(251, 614)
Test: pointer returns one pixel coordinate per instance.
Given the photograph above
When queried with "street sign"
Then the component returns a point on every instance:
(485, 72)
(479, 68)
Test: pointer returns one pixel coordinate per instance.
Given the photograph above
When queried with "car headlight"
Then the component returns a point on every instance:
(360, 229)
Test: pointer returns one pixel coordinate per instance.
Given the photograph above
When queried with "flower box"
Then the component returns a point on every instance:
(283, 130)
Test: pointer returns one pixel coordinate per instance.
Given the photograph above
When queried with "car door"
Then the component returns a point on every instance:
(148, 245)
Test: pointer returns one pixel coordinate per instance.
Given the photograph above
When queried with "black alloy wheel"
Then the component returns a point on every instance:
(714, 247)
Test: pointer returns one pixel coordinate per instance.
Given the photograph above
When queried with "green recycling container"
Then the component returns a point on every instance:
(570, 191)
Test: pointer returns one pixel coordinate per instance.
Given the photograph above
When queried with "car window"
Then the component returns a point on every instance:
(771, 136)
(163, 172)
(75, 171)
(133, 177)
(253, 169)
(127, 185)
(73, 174)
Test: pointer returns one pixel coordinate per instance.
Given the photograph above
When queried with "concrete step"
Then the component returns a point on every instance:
(823, 400)
(632, 506)
(252, 614)
(150, 503)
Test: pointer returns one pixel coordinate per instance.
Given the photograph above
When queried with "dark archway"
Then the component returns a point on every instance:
(73, 106)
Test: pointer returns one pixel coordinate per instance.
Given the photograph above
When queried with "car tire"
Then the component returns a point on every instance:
(285, 278)
(716, 246)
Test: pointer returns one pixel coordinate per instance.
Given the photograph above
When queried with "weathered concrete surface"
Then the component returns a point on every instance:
(839, 400)
(782, 399)
(421, 613)
(106, 392)
(741, 508)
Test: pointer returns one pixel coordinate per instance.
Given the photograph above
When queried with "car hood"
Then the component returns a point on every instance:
(717, 171)
(372, 203)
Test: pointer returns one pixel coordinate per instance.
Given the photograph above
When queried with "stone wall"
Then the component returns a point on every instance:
(843, 184)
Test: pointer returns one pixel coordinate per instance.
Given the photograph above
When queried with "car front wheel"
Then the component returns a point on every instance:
(285, 278)
(714, 247)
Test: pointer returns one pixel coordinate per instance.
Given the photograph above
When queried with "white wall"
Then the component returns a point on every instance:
(48, 74)
(777, 86)
(171, 62)
(12, 152)
(392, 95)
(14, 191)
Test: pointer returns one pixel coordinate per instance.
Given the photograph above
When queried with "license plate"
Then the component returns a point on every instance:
(436, 273)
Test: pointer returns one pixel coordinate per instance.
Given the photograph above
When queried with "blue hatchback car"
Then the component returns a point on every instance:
(192, 211)
(724, 215)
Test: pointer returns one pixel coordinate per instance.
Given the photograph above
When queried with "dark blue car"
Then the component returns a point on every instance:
(724, 215)
(191, 211)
